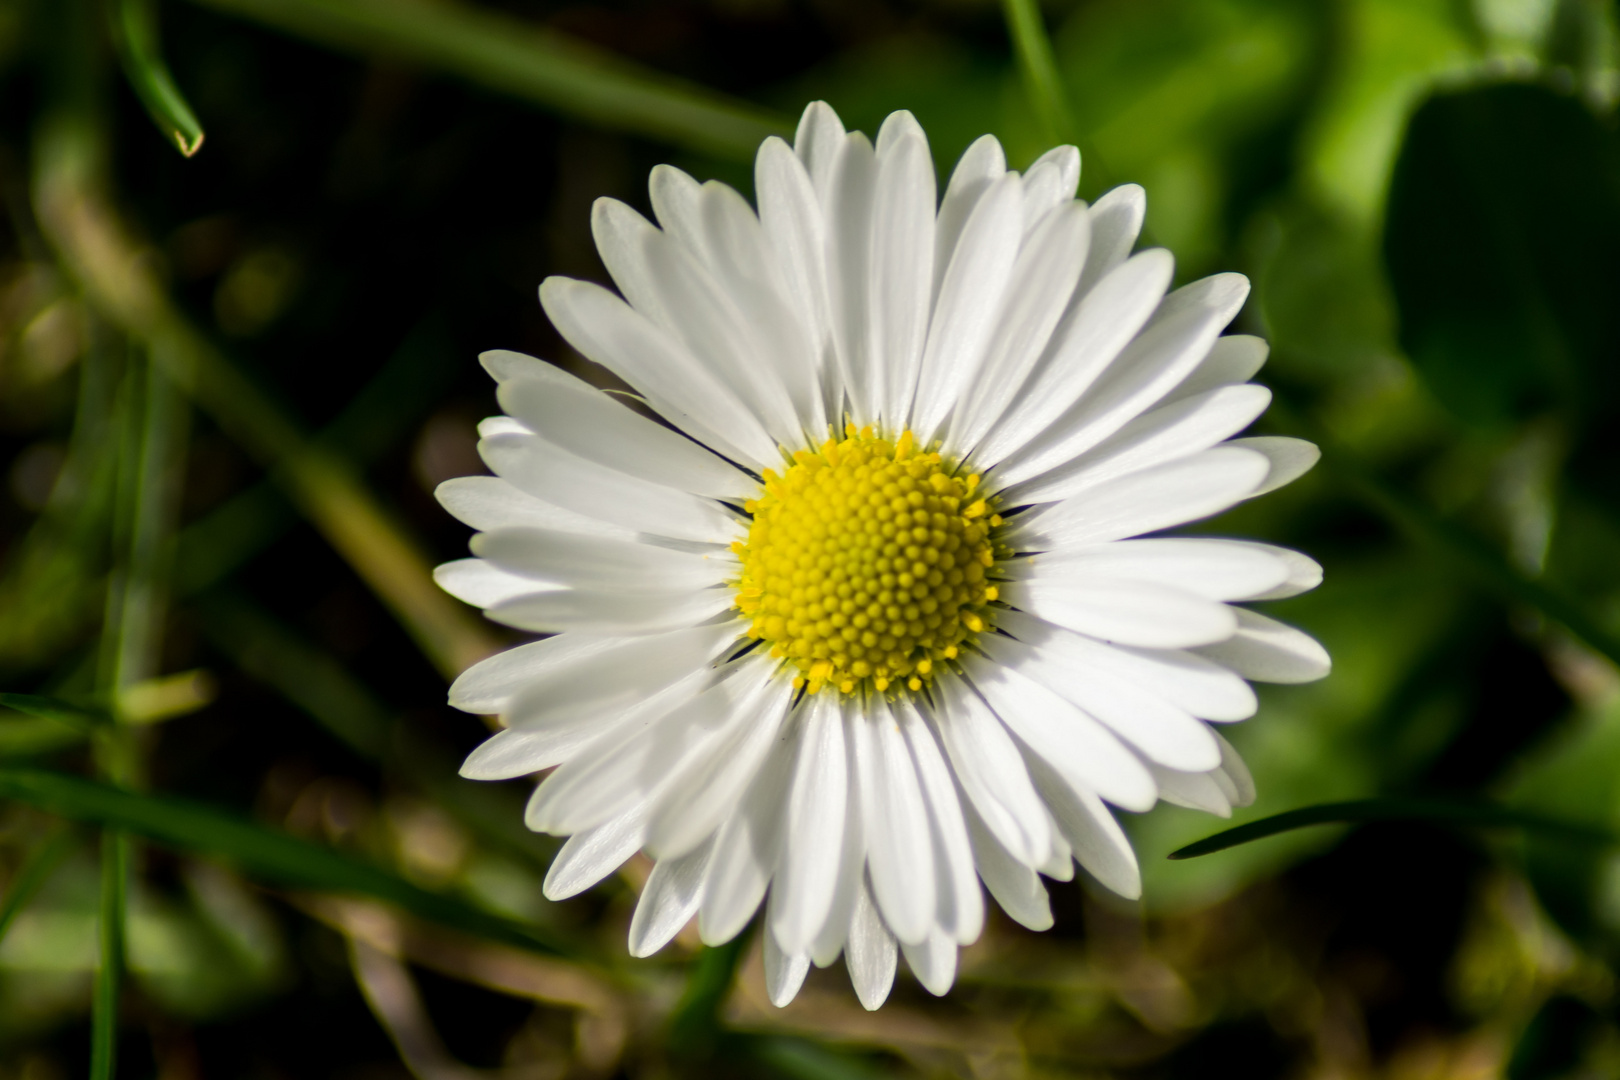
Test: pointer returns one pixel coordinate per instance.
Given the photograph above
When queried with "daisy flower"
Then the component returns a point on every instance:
(875, 615)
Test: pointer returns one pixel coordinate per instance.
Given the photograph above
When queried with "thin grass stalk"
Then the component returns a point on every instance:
(1038, 66)
(115, 857)
(529, 62)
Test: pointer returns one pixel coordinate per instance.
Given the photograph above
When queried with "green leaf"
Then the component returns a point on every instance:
(259, 852)
(135, 32)
(528, 62)
(1446, 811)
(33, 873)
(78, 717)
(1503, 244)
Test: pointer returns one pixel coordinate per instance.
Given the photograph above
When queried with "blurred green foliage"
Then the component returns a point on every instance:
(227, 383)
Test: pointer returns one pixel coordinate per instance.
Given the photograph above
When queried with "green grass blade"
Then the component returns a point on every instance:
(135, 32)
(78, 717)
(34, 872)
(1039, 68)
(694, 1028)
(529, 62)
(260, 852)
(1443, 811)
(110, 970)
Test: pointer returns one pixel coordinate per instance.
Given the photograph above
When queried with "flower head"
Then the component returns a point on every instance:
(873, 619)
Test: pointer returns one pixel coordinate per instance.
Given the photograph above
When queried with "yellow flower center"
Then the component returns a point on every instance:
(866, 561)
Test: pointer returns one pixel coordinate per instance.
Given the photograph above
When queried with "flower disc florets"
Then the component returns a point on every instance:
(867, 560)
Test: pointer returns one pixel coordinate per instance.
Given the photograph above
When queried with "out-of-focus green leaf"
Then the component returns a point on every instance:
(258, 851)
(1556, 1040)
(804, 1059)
(49, 708)
(1447, 811)
(529, 62)
(135, 32)
(32, 874)
(1175, 96)
(1390, 54)
(1503, 244)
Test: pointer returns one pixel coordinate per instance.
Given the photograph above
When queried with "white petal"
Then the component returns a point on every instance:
(670, 898)
(1130, 612)
(550, 473)
(1078, 748)
(1214, 569)
(1304, 573)
(500, 425)
(554, 681)
(991, 771)
(933, 962)
(1015, 886)
(1175, 340)
(1232, 360)
(1171, 431)
(961, 904)
(1042, 282)
(593, 854)
(559, 558)
(1099, 844)
(570, 734)
(970, 298)
(608, 331)
(581, 419)
(1051, 182)
(1290, 459)
(817, 802)
(850, 219)
(1116, 219)
(746, 850)
(870, 953)
(488, 502)
(981, 165)
(1186, 680)
(644, 758)
(711, 322)
(898, 125)
(898, 841)
(1175, 493)
(902, 269)
(819, 142)
(505, 365)
(481, 584)
(1266, 650)
(786, 345)
(1086, 341)
(796, 234)
(1237, 772)
(694, 809)
(852, 864)
(1196, 791)
(605, 611)
(1088, 674)
(783, 974)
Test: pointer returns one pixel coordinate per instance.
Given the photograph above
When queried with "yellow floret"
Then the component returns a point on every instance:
(862, 569)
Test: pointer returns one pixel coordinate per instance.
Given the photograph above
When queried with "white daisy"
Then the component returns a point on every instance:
(872, 620)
